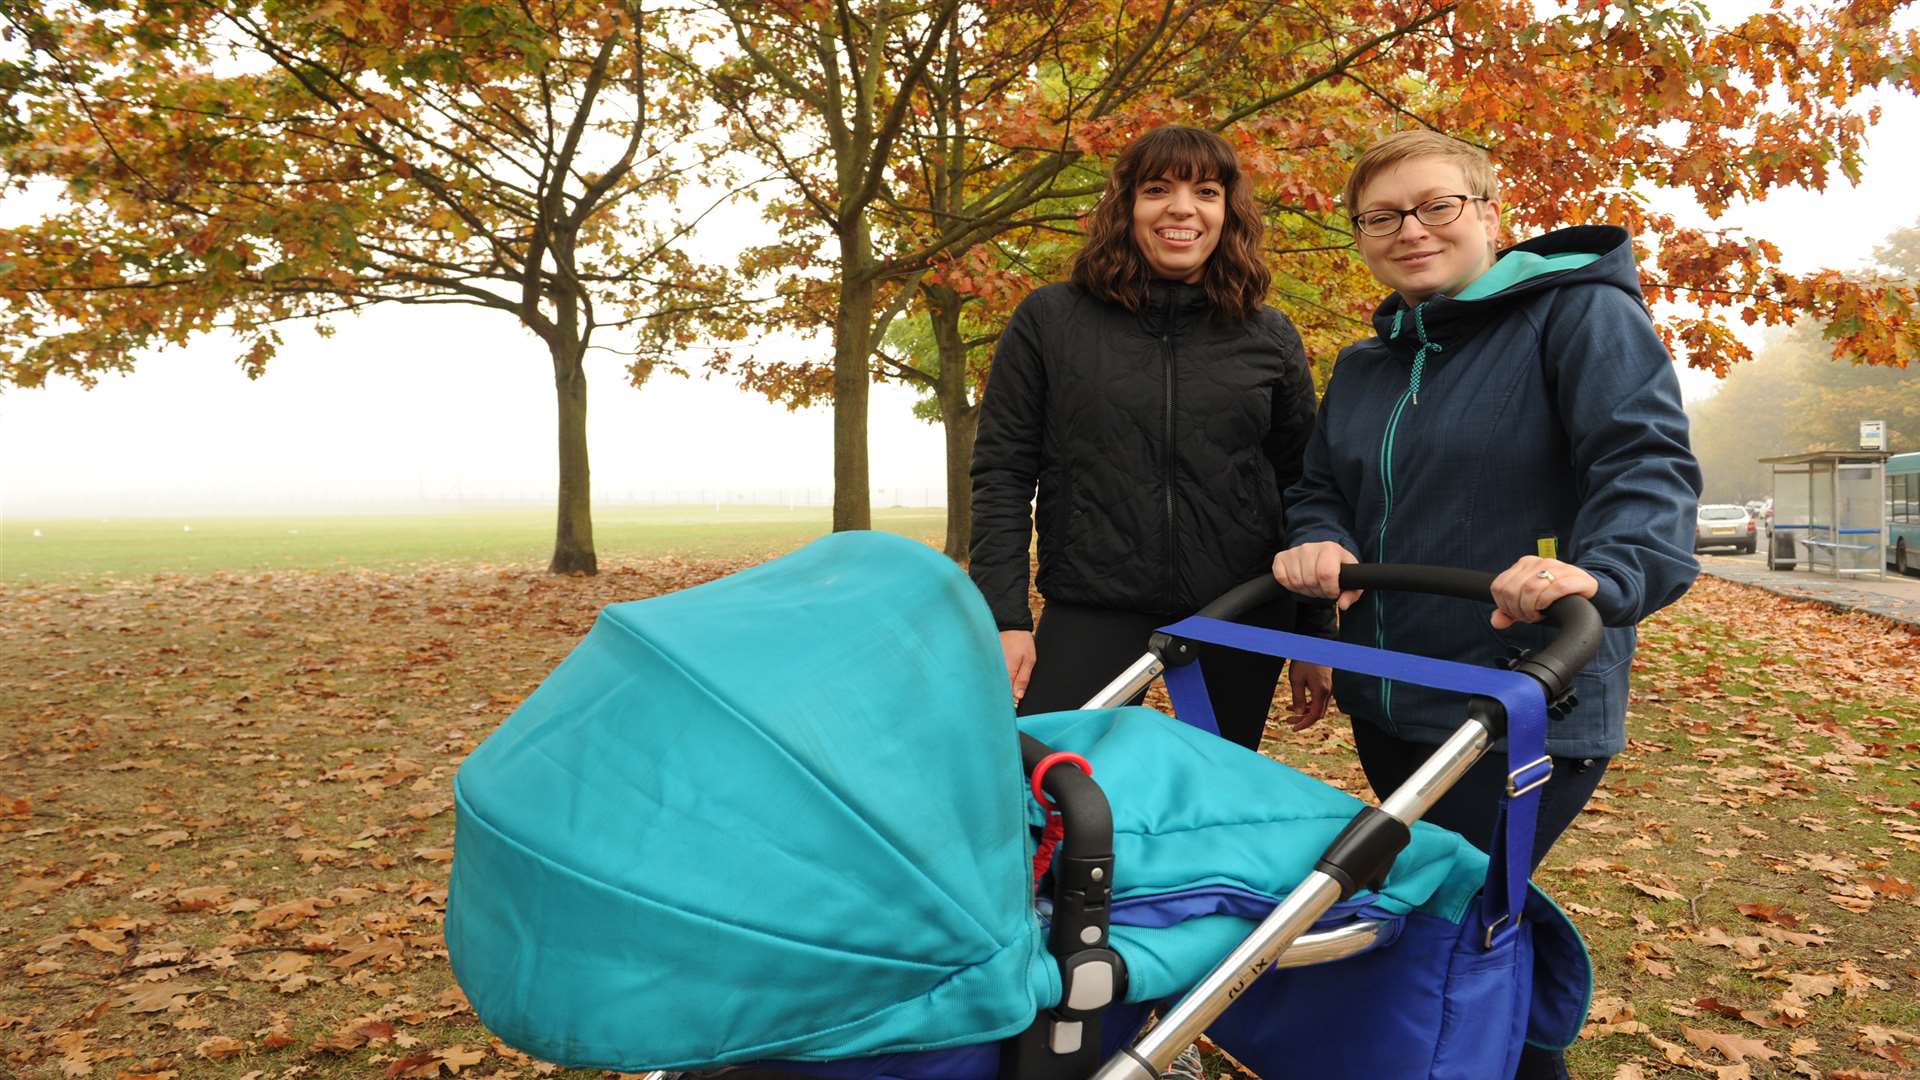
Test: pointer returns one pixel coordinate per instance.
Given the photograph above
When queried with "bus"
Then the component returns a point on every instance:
(1903, 513)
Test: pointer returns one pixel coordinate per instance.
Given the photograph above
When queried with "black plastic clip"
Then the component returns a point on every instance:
(1363, 853)
(1172, 651)
(1557, 709)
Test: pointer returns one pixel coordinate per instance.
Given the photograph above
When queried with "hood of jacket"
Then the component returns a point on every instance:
(1584, 253)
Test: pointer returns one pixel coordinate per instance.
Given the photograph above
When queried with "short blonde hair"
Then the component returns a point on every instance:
(1404, 145)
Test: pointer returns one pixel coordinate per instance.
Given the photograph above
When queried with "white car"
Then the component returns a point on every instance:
(1724, 525)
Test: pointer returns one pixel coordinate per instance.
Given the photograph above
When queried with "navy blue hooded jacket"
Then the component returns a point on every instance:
(1535, 413)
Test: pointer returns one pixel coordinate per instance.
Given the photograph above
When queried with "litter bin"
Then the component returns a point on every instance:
(1780, 553)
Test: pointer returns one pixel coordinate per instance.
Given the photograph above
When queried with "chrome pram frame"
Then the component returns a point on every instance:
(1363, 853)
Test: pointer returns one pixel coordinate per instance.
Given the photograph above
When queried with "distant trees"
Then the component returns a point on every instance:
(235, 167)
(1794, 397)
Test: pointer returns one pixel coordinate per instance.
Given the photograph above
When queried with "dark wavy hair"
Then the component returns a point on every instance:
(1111, 266)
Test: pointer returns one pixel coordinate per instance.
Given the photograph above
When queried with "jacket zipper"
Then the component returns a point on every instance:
(1166, 343)
(1409, 396)
(1380, 542)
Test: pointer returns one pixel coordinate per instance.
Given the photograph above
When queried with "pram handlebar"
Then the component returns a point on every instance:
(1555, 665)
(1366, 850)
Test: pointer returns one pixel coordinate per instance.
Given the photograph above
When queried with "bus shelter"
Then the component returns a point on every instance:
(1829, 511)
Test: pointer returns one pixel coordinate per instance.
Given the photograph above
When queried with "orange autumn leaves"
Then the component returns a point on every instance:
(203, 198)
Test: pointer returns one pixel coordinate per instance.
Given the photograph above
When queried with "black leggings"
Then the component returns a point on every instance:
(1472, 806)
(1081, 649)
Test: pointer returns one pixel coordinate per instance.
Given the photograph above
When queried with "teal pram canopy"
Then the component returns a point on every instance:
(781, 815)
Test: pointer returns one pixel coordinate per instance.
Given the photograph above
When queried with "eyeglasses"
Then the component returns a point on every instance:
(1444, 210)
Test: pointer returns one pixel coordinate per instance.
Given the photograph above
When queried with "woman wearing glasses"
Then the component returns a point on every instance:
(1513, 413)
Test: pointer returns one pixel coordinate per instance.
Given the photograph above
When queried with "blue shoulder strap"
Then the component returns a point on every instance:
(1511, 855)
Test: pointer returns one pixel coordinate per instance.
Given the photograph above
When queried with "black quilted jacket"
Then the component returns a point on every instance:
(1159, 444)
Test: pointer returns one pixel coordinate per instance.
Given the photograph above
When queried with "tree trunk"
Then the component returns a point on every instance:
(573, 533)
(961, 424)
(852, 354)
(958, 416)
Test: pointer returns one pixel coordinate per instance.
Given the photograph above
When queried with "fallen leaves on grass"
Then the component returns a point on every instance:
(219, 1046)
(1772, 913)
(1766, 760)
(1734, 1048)
(160, 997)
(233, 791)
(230, 806)
(1886, 1042)
(434, 1063)
(1658, 886)
(281, 916)
(364, 1031)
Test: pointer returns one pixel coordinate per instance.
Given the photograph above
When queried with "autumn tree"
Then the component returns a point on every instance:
(819, 92)
(1088, 101)
(908, 135)
(1583, 110)
(233, 167)
(954, 147)
(1612, 100)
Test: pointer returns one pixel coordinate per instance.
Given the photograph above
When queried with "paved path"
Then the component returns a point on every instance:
(1894, 597)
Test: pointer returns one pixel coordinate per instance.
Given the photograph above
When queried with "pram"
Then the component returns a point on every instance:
(776, 821)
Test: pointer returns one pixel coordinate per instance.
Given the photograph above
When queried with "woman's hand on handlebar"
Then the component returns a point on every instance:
(1017, 646)
(1312, 686)
(1525, 589)
(1314, 570)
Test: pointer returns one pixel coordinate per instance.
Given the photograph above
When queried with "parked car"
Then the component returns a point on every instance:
(1724, 525)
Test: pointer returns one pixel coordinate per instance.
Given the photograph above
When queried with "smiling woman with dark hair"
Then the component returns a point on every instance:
(1127, 248)
(1159, 408)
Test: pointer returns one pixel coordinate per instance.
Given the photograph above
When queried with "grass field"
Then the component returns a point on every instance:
(69, 549)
